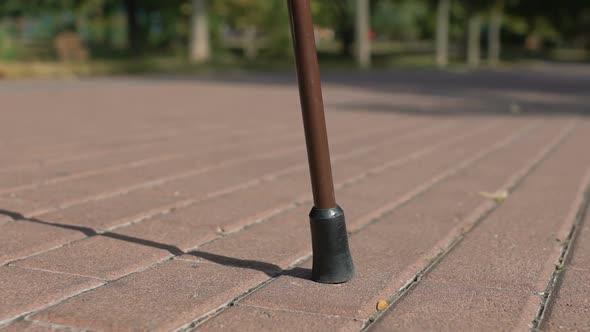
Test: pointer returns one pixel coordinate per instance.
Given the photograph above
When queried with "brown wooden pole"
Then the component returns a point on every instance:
(332, 262)
(312, 105)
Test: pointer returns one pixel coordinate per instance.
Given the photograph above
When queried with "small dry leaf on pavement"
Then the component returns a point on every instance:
(498, 196)
(382, 305)
(515, 108)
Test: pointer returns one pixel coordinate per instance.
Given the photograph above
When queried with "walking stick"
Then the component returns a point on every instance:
(332, 262)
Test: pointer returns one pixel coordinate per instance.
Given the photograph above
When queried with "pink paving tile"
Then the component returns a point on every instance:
(569, 310)
(569, 306)
(25, 326)
(13, 204)
(106, 213)
(165, 297)
(101, 256)
(22, 238)
(269, 246)
(62, 169)
(394, 151)
(580, 251)
(246, 318)
(188, 227)
(222, 178)
(457, 308)
(25, 290)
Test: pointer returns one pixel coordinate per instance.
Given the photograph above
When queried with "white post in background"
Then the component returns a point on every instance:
(363, 28)
(494, 42)
(442, 32)
(473, 41)
(199, 45)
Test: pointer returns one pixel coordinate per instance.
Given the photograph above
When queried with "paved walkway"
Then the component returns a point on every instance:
(165, 204)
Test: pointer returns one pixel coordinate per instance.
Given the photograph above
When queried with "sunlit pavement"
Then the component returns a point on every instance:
(165, 203)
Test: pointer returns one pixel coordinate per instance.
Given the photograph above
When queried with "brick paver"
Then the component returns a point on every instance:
(101, 257)
(247, 318)
(20, 239)
(164, 204)
(26, 290)
(26, 326)
(168, 296)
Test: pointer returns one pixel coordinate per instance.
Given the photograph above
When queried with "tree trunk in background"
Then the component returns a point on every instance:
(473, 41)
(347, 38)
(250, 43)
(199, 44)
(362, 27)
(442, 32)
(494, 42)
(133, 31)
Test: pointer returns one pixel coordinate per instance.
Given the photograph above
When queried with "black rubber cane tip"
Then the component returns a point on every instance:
(332, 262)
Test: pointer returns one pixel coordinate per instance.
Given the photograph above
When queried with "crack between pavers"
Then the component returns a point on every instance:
(446, 282)
(550, 290)
(203, 318)
(575, 268)
(151, 184)
(67, 159)
(300, 312)
(89, 173)
(226, 191)
(231, 302)
(164, 180)
(56, 327)
(57, 272)
(466, 229)
(90, 155)
(255, 222)
(216, 311)
(126, 166)
(27, 314)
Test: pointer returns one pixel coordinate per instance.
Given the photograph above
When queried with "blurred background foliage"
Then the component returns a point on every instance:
(249, 32)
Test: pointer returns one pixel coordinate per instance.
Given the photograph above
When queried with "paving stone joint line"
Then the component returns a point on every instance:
(561, 264)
